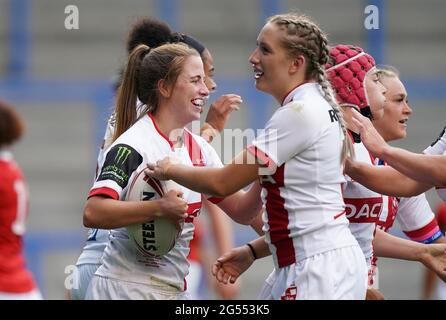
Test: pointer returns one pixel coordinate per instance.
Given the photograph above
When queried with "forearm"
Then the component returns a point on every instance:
(251, 201)
(260, 247)
(221, 227)
(386, 245)
(243, 207)
(385, 180)
(203, 180)
(220, 182)
(429, 169)
(257, 225)
(106, 213)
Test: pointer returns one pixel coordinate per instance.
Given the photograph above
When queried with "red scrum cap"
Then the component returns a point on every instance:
(346, 71)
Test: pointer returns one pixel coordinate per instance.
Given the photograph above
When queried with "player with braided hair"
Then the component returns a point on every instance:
(298, 160)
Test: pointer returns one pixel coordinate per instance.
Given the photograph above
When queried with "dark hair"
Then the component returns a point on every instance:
(154, 33)
(12, 126)
(145, 68)
(189, 40)
(150, 32)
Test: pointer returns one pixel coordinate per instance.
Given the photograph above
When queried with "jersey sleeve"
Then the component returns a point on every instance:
(291, 129)
(417, 219)
(438, 147)
(120, 163)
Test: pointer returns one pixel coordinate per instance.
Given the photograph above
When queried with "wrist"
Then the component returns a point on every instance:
(159, 206)
(386, 152)
(208, 132)
(422, 254)
(252, 251)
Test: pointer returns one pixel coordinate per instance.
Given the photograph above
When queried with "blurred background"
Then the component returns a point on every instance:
(60, 81)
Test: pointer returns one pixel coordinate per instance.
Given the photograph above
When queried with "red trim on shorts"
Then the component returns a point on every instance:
(159, 131)
(103, 191)
(278, 219)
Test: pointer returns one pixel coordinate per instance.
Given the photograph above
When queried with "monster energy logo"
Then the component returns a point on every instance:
(122, 155)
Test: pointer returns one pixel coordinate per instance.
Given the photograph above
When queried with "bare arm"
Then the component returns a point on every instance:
(106, 213)
(243, 207)
(384, 180)
(430, 278)
(433, 256)
(257, 225)
(425, 168)
(219, 182)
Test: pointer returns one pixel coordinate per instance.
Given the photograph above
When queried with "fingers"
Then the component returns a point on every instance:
(215, 267)
(150, 170)
(228, 102)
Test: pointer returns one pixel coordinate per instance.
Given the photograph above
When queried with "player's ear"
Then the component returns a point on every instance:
(296, 64)
(164, 88)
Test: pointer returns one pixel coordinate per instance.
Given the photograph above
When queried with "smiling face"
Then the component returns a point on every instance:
(271, 63)
(396, 110)
(376, 94)
(189, 92)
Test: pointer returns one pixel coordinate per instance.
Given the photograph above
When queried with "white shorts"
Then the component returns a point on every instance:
(339, 274)
(32, 295)
(84, 274)
(102, 288)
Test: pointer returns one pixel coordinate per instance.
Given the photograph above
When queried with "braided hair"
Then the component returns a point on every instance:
(304, 37)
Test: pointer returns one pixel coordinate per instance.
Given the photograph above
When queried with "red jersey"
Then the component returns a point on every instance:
(14, 277)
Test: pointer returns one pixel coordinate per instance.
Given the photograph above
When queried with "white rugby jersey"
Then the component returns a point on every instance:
(144, 143)
(363, 206)
(97, 238)
(302, 198)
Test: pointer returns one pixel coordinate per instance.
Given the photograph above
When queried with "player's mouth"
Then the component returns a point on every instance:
(198, 103)
(257, 72)
(404, 122)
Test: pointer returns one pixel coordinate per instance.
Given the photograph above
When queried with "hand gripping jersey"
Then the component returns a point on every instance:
(363, 206)
(127, 156)
(303, 206)
(14, 277)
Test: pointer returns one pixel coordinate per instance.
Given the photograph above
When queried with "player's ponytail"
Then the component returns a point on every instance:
(125, 111)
